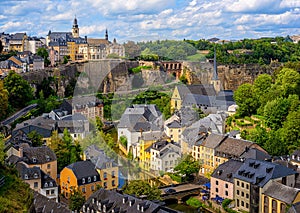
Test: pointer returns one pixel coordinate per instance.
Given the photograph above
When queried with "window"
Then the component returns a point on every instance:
(48, 166)
(237, 202)
(35, 175)
(105, 176)
(52, 191)
(113, 174)
(113, 183)
(46, 185)
(83, 180)
(25, 176)
(95, 178)
(238, 192)
(243, 194)
(47, 192)
(105, 185)
(217, 182)
(247, 205)
(226, 193)
(83, 190)
(247, 186)
(247, 195)
(93, 188)
(34, 160)
(68, 179)
(238, 183)
(226, 185)
(89, 179)
(35, 184)
(242, 203)
(242, 184)
(217, 190)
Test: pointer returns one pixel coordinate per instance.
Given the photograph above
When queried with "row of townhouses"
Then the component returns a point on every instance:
(60, 44)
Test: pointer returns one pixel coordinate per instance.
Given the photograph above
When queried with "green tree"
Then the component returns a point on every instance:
(132, 50)
(76, 200)
(290, 132)
(246, 99)
(140, 187)
(187, 166)
(289, 80)
(35, 138)
(261, 87)
(275, 112)
(3, 100)
(44, 54)
(19, 90)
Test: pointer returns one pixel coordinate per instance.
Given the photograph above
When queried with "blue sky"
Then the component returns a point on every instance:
(154, 19)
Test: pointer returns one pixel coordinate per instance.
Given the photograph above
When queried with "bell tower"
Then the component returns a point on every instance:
(75, 29)
(215, 81)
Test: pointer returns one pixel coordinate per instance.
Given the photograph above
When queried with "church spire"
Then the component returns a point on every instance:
(215, 73)
(106, 35)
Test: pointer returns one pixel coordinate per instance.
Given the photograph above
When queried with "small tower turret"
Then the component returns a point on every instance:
(75, 28)
(215, 81)
(106, 35)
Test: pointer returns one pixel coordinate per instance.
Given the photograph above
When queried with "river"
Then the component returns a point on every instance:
(185, 208)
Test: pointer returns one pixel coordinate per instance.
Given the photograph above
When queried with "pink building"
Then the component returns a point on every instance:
(221, 181)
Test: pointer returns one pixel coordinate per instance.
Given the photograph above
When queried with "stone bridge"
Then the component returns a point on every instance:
(173, 68)
(180, 192)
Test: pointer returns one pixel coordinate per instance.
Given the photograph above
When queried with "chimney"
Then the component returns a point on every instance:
(21, 152)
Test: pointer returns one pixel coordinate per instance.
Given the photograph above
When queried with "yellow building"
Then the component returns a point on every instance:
(145, 155)
(277, 197)
(206, 152)
(81, 176)
(105, 166)
(18, 42)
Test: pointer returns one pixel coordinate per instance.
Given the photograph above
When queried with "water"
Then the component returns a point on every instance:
(185, 208)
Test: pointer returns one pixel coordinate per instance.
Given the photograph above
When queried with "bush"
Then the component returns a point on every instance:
(194, 202)
(176, 178)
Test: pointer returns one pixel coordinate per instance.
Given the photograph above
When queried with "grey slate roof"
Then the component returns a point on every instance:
(38, 155)
(27, 173)
(234, 147)
(41, 125)
(194, 133)
(226, 170)
(121, 203)
(261, 172)
(255, 154)
(198, 89)
(282, 192)
(83, 169)
(213, 140)
(174, 124)
(47, 181)
(137, 117)
(98, 157)
(43, 204)
(187, 116)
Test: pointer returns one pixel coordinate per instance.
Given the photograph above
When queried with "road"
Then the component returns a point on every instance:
(18, 114)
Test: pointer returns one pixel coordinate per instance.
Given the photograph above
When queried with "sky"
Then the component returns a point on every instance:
(144, 20)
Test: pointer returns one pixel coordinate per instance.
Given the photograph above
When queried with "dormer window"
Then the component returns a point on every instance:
(83, 180)
(47, 158)
(46, 185)
(95, 178)
(35, 175)
(89, 179)
(51, 184)
(34, 160)
(25, 176)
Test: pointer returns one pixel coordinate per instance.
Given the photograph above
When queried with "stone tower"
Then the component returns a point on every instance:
(75, 29)
(215, 81)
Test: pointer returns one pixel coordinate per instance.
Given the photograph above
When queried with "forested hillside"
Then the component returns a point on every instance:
(271, 105)
(246, 51)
